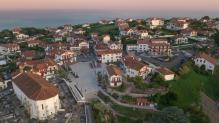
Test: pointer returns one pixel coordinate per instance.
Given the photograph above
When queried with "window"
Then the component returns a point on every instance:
(42, 106)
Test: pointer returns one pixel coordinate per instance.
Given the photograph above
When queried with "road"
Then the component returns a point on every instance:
(210, 107)
(175, 62)
(127, 105)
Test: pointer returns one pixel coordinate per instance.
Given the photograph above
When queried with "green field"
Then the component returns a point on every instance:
(188, 88)
(103, 29)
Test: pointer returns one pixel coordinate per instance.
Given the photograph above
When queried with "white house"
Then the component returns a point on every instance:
(189, 32)
(131, 47)
(68, 27)
(142, 34)
(166, 73)
(106, 39)
(79, 31)
(155, 22)
(115, 45)
(86, 25)
(114, 75)
(63, 56)
(39, 97)
(143, 45)
(180, 40)
(153, 46)
(206, 60)
(3, 84)
(33, 43)
(109, 56)
(45, 68)
(79, 45)
(3, 60)
(177, 25)
(11, 47)
(21, 36)
(58, 38)
(134, 68)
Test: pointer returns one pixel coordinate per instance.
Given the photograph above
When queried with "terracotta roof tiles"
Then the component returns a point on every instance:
(35, 87)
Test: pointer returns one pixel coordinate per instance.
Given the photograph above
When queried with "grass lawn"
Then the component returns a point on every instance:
(188, 88)
(102, 29)
(211, 87)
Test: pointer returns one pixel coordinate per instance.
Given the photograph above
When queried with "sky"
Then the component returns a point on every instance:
(154, 5)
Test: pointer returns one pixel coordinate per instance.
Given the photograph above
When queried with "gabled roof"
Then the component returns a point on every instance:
(113, 70)
(35, 87)
(30, 53)
(133, 63)
(109, 51)
(206, 57)
(165, 71)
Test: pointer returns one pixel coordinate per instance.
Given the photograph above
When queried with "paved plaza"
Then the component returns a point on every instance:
(86, 81)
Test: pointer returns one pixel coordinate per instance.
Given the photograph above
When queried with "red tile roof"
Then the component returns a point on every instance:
(101, 46)
(30, 53)
(99, 53)
(113, 70)
(10, 45)
(35, 87)
(207, 57)
(165, 71)
(133, 63)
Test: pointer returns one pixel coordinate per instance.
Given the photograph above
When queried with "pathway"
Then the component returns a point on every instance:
(210, 107)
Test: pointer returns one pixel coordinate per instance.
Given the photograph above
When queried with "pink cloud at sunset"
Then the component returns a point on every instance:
(210, 5)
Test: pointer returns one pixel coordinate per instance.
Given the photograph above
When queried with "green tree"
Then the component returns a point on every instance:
(196, 115)
(168, 99)
(216, 38)
(157, 78)
(31, 31)
(170, 115)
(6, 36)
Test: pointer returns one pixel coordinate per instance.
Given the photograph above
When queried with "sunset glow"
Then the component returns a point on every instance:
(207, 5)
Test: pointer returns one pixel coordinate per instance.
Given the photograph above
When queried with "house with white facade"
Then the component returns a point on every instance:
(106, 39)
(109, 56)
(177, 24)
(189, 32)
(203, 59)
(79, 45)
(65, 56)
(131, 47)
(33, 43)
(79, 31)
(68, 27)
(39, 97)
(114, 75)
(115, 45)
(22, 36)
(11, 47)
(155, 22)
(134, 68)
(178, 40)
(143, 45)
(156, 47)
(57, 38)
(166, 73)
(142, 34)
(45, 68)
(3, 84)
